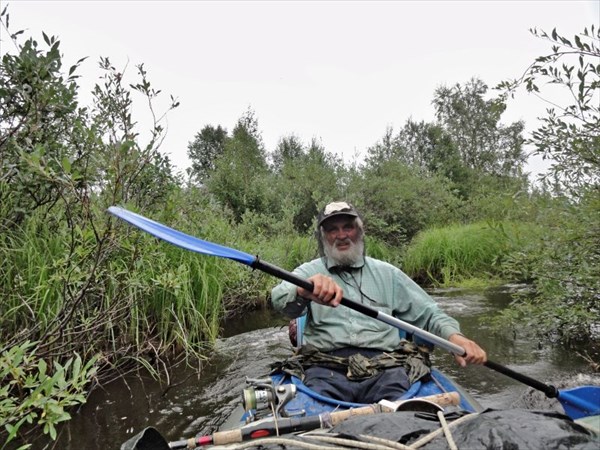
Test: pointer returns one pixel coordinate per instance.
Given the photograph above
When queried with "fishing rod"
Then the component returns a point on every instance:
(286, 425)
(151, 439)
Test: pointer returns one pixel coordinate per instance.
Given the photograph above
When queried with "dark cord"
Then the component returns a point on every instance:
(356, 283)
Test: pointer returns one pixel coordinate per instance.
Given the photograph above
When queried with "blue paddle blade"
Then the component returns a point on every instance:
(181, 239)
(581, 401)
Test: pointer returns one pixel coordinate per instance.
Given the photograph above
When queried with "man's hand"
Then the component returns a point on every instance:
(325, 291)
(475, 354)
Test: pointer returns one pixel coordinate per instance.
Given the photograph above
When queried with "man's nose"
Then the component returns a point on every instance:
(341, 234)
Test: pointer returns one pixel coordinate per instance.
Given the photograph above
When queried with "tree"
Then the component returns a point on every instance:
(118, 166)
(208, 146)
(569, 135)
(61, 166)
(288, 149)
(466, 145)
(39, 120)
(565, 267)
(305, 178)
(473, 124)
(236, 179)
(430, 147)
(400, 200)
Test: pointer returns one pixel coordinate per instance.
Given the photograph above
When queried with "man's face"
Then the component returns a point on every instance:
(341, 231)
(343, 240)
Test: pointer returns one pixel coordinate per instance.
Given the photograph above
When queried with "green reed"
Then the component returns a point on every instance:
(458, 253)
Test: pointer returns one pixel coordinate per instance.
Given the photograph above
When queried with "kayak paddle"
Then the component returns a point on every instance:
(577, 402)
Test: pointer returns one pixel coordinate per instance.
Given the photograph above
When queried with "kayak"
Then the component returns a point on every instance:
(298, 400)
(295, 399)
(282, 413)
(282, 405)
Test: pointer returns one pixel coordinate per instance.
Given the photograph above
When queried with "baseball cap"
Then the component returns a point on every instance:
(336, 209)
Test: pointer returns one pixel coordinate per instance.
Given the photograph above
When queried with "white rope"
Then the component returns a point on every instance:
(447, 431)
(431, 436)
(325, 437)
(348, 442)
(272, 440)
(275, 418)
(387, 442)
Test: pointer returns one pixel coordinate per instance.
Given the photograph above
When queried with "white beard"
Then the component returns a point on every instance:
(347, 257)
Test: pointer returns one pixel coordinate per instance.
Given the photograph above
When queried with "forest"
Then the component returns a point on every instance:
(87, 299)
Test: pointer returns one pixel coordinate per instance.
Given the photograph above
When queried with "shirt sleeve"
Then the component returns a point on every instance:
(418, 308)
(284, 296)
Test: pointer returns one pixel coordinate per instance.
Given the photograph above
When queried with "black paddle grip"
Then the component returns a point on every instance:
(550, 391)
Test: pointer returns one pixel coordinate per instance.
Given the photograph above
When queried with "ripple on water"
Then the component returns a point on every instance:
(247, 355)
(465, 304)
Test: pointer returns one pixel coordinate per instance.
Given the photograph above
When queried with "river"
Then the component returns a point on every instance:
(200, 403)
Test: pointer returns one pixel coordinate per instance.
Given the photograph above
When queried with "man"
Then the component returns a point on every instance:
(343, 270)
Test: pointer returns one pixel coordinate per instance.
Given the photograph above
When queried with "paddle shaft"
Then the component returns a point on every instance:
(282, 274)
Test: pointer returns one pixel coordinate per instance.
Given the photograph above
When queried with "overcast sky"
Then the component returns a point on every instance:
(340, 71)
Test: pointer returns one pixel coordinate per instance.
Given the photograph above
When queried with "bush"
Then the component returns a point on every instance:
(33, 393)
(564, 269)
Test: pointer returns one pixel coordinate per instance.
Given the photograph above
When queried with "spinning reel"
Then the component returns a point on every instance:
(261, 398)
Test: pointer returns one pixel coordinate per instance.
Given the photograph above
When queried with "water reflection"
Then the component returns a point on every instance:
(200, 402)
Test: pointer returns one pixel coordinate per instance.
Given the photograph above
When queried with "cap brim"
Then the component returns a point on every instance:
(337, 213)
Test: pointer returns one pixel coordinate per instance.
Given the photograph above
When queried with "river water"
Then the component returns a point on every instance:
(200, 403)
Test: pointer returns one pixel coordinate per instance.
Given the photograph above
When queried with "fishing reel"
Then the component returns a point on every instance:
(261, 398)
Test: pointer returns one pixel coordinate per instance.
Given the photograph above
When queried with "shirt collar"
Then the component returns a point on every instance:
(331, 265)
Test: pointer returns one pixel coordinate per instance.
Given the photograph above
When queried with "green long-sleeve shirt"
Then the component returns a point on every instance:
(372, 282)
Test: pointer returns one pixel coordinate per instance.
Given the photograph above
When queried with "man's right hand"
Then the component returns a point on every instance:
(325, 291)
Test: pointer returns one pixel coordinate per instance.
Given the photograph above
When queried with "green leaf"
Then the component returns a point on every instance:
(76, 369)
(42, 367)
(66, 164)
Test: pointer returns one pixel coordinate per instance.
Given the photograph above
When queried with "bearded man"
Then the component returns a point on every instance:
(343, 270)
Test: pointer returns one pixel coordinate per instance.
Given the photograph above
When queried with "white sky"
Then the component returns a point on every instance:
(340, 71)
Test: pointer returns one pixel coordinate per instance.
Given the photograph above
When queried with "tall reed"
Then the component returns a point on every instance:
(453, 254)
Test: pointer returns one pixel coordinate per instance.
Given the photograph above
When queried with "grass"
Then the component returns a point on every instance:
(454, 254)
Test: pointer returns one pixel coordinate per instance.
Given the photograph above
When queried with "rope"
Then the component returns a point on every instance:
(350, 443)
(447, 431)
(272, 440)
(387, 442)
(380, 443)
(337, 442)
(431, 436)
(275, 418)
